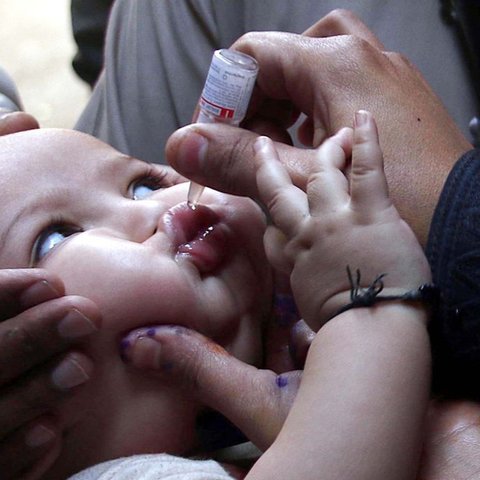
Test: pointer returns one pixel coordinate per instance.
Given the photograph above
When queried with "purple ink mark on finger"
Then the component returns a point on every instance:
(150, 332)
(124, 345)
(281, 381)
(285, 311)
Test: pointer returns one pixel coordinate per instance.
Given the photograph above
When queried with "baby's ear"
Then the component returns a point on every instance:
(14, 122)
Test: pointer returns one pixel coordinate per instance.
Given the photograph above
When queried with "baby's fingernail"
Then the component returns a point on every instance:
(75, 324)
(70, 373)
(39, 435)
(191, 152)
(260, 144)
(361, 118)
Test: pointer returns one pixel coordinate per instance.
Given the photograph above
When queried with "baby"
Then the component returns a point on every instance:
(119, 232)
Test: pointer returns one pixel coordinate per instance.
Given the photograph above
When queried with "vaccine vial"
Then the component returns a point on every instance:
(225, 96)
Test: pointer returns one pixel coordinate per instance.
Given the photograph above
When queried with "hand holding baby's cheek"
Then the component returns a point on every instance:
(256, 401)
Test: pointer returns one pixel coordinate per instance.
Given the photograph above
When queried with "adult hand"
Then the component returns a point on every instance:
(328, 79)
(451, 448)
(256, 401)
(39, 366)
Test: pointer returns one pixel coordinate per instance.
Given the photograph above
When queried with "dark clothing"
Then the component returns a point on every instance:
(89, 24)
(453, 251)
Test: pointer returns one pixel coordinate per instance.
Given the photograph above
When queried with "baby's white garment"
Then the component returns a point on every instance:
(154, 467)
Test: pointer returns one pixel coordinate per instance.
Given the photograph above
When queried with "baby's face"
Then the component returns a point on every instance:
(118, 231)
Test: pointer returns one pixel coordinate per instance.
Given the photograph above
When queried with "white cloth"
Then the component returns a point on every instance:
(154, 467)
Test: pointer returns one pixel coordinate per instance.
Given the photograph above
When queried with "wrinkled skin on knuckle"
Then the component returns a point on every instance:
(19, 339)
(239, 154)
(37, 396)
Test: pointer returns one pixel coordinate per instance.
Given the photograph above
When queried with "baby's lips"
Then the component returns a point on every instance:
(184, 224)
(197, 235)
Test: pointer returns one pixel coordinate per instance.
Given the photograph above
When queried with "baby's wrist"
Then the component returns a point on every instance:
(393, 298)
(425, 295)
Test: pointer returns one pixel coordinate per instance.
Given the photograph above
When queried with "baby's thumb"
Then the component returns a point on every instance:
(256, 401)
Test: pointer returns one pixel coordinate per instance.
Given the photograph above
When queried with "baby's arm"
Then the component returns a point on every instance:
(360, 407)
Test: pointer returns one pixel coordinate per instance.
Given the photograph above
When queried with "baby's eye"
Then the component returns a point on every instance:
(50, 238)
(145, 187)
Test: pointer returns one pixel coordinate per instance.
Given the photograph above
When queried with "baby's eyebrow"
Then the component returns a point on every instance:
(46, 201)
(11, 225)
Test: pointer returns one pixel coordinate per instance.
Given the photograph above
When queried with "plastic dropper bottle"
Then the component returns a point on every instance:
(225, 96)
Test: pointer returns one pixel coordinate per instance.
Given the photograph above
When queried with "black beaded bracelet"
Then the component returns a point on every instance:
(366, 297)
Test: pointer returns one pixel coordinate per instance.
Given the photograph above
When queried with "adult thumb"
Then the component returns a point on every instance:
(256, 401)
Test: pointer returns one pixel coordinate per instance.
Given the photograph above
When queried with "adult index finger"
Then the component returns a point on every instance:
(222, 157)
(256, 401)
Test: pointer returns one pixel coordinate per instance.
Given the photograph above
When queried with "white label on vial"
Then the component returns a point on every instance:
(227, 91)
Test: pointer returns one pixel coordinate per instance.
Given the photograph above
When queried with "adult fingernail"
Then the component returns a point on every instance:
(192, 152)
(142, 349)
(38, 436)
(75, 324)
(146, 353)
(70, 373)
(40, 291)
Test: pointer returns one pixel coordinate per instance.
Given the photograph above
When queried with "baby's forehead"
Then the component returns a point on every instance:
(53, 151)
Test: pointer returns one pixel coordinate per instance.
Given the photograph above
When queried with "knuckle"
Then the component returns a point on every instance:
(37, 396)
(26, 401)
(20, 340)
(236, 158)
(358, 47)
(340, 16)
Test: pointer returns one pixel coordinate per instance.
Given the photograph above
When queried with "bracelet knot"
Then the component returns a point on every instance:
(366, 297)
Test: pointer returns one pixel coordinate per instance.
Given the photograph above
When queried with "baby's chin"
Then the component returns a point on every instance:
(120, 413)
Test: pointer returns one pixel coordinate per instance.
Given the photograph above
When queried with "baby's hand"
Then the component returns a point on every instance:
(339, 221)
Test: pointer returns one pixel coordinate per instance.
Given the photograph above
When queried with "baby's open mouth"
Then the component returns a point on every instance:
(197, 234)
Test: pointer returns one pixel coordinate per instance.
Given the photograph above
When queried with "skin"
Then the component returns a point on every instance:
(344, 68)
(33, 344)
(227, 165)
(362, 362)
(127, 256)
(347, 68)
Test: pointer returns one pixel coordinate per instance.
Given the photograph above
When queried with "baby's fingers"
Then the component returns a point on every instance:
(287, 204)
(368, 184)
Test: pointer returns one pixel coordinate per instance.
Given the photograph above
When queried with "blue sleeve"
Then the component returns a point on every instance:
(453, 251)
